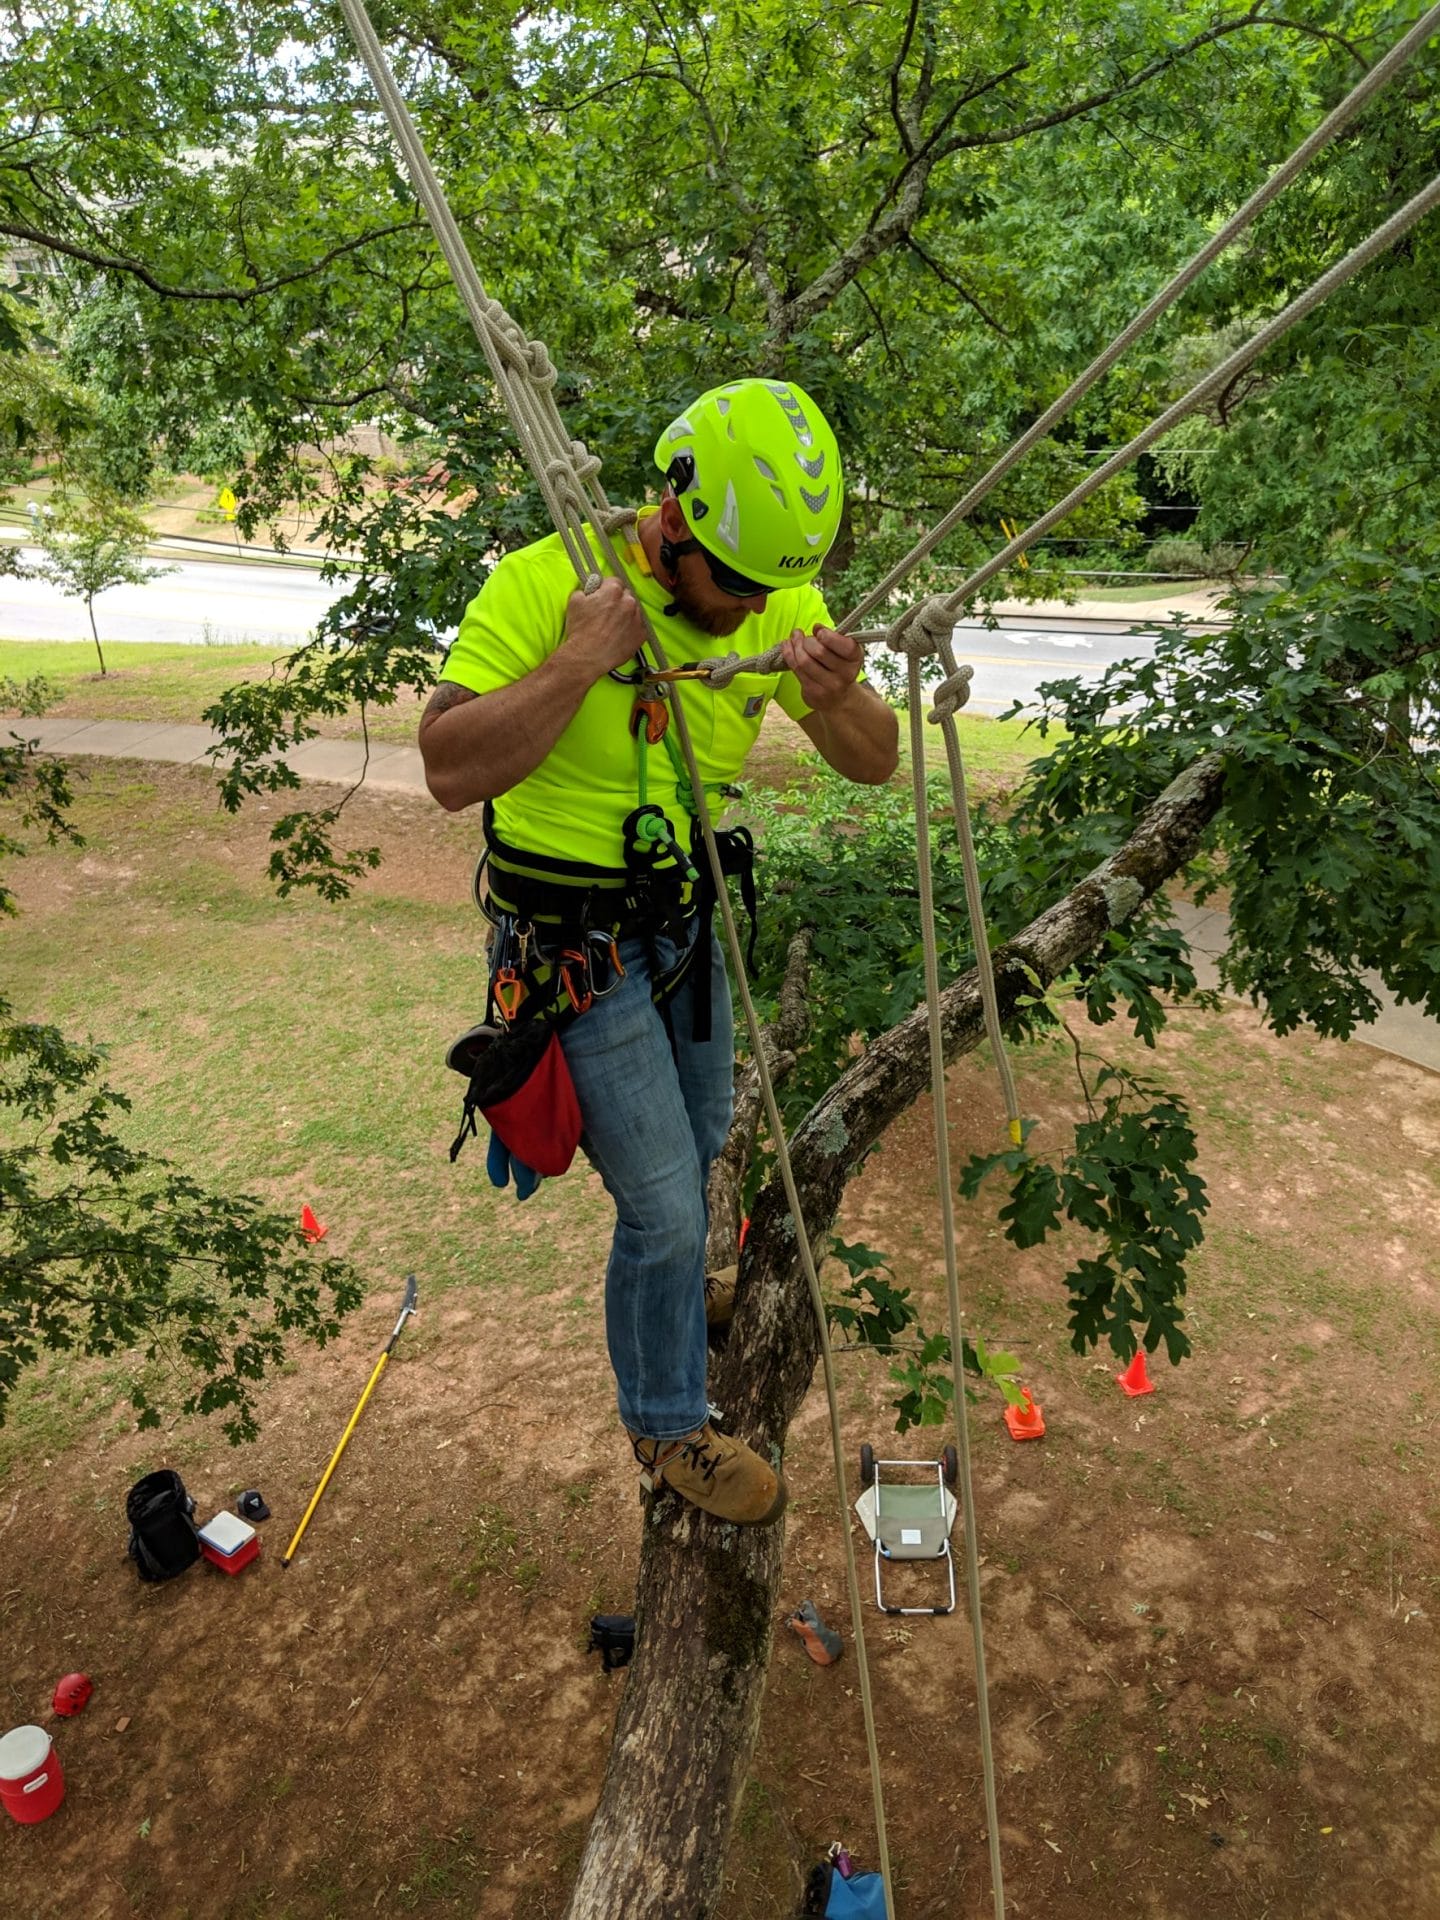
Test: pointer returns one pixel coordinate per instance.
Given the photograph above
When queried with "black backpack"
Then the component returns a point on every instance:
(163, 1540)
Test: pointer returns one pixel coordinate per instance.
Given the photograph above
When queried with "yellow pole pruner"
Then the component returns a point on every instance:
(408, 1307)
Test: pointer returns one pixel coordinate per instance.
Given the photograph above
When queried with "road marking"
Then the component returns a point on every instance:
(1007, 660)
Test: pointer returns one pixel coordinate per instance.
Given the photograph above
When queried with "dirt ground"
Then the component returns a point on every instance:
(1209, 1614)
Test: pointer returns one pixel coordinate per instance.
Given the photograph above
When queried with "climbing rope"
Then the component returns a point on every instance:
(568, 477)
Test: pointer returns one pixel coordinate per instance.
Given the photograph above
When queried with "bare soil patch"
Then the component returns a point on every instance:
(1210, 1614)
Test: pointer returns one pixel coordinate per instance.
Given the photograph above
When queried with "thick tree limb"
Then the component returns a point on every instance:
(708, 1593)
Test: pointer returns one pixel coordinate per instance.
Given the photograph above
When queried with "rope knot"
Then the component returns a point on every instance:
(541, 366)
(952, 693)
(721, 672)
(587, 464)
(922, 628)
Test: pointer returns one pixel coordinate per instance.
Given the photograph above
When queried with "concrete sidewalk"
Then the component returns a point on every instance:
(392, 769)
(1405, 1031)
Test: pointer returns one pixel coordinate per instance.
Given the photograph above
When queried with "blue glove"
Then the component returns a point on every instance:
(500, 1164)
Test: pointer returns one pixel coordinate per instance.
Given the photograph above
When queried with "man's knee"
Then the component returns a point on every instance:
(670, 1227)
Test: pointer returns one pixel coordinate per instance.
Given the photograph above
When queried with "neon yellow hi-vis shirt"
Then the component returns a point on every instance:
(573, 806)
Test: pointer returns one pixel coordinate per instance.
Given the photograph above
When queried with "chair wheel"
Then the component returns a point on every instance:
(950, 1467)
(867, 1464)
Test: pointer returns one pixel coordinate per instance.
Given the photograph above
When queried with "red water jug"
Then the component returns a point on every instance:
(31, 1782)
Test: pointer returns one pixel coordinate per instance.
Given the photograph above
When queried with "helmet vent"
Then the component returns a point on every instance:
(764, 468)
(813, 467)
(815, 501)
(728, 528)
(795, 414)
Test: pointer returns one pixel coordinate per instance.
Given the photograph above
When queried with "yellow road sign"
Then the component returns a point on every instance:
(227, 503)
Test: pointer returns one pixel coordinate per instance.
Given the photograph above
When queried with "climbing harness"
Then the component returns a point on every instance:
(567, 475)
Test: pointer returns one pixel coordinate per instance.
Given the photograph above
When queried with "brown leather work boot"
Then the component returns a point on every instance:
(716, 1472)
(720, 1296)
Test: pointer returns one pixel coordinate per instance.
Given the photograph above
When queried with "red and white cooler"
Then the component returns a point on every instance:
(31, 1782)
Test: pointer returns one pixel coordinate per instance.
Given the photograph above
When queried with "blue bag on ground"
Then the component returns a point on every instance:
(861, 1897)
(830, 1896)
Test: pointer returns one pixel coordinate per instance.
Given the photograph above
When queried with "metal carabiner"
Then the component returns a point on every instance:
(608, 947)
(573, 959)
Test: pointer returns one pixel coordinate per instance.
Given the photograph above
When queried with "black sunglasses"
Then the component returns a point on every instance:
(725, 577)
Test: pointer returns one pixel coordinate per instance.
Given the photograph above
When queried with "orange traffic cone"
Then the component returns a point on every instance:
(1135, 1380)
(1027, 1422)
(312, 1228)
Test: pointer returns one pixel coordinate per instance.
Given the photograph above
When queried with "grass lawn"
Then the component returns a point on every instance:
(177, 683)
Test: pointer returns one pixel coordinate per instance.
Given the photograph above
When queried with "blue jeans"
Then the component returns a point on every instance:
(654, 1121)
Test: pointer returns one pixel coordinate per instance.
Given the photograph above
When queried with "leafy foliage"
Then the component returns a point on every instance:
(841, 860)
(1129, 1182)
(105, 1249)
(929, 216)
(1321, 699)
(872, 1311)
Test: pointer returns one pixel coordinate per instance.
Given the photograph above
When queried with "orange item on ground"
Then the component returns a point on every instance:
(1135, 1380)
(312, 1228)
(1027, 1422)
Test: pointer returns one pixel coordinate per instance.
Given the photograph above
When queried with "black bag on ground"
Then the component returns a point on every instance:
(163, 1540)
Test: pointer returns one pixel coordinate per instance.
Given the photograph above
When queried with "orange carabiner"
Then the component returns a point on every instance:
(655, 714)
(509, 990)
(571, 964)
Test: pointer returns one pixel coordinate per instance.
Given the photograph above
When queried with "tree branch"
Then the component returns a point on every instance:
(121, 263)
(1002, 136)
(707, 1593)
(956, 287)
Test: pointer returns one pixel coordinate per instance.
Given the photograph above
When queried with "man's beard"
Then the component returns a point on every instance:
(719, 622)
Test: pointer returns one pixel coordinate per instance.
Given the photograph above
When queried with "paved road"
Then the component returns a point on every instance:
(215, 601)
(1011, 660)
(199, 602)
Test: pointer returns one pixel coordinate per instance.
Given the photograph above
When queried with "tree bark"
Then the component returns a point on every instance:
(707, 1593)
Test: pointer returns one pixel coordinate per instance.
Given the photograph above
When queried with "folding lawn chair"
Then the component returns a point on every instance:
(909, 1519)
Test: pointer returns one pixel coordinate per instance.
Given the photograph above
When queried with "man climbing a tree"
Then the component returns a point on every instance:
(549, 714)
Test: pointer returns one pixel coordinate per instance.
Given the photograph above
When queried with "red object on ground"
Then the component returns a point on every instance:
(230, 1562)
(72, 1693)
(32, 1784)
(312, 1228)
(1027, 1422)
(1135, 1380)
(744, 1229)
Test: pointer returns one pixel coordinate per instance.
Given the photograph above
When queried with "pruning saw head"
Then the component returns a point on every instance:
(410, 1304)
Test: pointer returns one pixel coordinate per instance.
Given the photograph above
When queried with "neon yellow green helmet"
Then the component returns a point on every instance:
(756, 470)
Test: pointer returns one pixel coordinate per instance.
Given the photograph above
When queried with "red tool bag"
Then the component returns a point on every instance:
(520, 1082)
